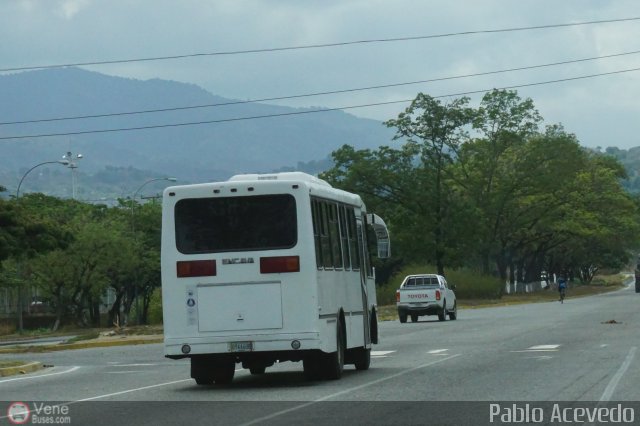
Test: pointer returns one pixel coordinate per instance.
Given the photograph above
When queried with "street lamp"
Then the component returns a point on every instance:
(170, 179)
(133, 199)
(64, 163)
(72, 164)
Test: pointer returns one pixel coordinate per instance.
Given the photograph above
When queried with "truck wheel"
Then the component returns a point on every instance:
(414, 318)
(362, 358)
(403, 317)
(454, 313)
(442, 315)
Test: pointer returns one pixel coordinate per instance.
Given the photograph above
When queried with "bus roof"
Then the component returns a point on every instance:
(284, 176)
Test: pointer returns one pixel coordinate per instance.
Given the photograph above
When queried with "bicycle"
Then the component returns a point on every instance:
(563, 292)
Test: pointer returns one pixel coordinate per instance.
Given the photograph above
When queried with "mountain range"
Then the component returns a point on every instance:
(82, 111)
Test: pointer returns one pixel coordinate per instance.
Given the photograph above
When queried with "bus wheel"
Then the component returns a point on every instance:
(362, 358)
(201, 370)
(257, 370)
(311, 364)
(374, 327)
(223, 370)
(203, 380)
(334, 362)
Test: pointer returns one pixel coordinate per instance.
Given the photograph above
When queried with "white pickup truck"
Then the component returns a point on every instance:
(426, 294)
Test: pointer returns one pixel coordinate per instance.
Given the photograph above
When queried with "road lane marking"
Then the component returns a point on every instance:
(380, 354)
(611, 387)
(72, 369)
(132, 365)
(543, 347)
(129, 391)
(125, 372)
(334, 395)
(437, 351)
(540, 348)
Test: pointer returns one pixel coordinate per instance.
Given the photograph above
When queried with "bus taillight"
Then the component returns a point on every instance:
(273, 265)
(196, 268)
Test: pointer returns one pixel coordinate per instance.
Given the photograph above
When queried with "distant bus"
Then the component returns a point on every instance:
(268, 268)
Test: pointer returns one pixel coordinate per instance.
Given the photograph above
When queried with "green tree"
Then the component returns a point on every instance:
(437, 130)
(486, 167)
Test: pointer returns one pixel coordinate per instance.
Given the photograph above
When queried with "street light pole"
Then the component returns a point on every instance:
(133, 233)
(20, 301)
(63, 162)
(69, 158)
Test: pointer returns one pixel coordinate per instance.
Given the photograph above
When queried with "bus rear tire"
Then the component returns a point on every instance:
(224, 371)
(374, 327)
(362, 358)
(311, 365)
(333, 363)
(207, 369)
(257, 370)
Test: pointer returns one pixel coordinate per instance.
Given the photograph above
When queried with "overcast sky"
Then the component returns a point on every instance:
(602, 111)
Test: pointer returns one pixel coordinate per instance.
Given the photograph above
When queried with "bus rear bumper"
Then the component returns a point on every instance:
(182, 347)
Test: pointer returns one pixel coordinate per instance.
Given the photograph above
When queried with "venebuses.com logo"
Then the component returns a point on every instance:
(20, 413)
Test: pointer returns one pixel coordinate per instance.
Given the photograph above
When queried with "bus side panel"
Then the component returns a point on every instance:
(341, 291)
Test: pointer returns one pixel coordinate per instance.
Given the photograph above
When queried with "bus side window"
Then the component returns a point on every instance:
(334, 233)
(354, 239)
(368, 235)
(316, 215)
(344, 237)
(324, 235)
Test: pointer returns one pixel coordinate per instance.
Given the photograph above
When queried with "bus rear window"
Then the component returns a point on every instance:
(261, 222)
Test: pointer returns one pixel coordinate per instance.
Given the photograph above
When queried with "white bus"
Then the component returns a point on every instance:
(268, 268)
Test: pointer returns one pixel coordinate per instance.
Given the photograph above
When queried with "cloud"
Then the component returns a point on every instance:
(70, 8)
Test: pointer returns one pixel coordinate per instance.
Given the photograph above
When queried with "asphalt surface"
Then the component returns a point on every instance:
(581, 352)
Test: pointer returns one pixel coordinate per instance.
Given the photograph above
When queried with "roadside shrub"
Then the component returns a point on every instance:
(469, 284)
(473, 285)
(155, 307)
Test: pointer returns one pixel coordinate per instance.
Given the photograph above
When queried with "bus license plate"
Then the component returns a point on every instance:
(240, 346)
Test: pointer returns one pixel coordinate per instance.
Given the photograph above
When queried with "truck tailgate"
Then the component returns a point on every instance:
(417, 295)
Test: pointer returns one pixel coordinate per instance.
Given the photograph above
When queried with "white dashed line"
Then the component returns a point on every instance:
(380, 354)
(540, 348)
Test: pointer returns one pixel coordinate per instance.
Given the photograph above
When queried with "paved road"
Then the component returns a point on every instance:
(584, 350)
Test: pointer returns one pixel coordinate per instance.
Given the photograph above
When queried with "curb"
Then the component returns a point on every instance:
(20, 369)
(79, 345)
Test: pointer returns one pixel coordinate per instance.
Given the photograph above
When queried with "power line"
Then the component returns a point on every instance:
(317, 46)
(331, 92)
(292, 113)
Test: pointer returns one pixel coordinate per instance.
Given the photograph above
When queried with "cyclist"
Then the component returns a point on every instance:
(562, 288)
